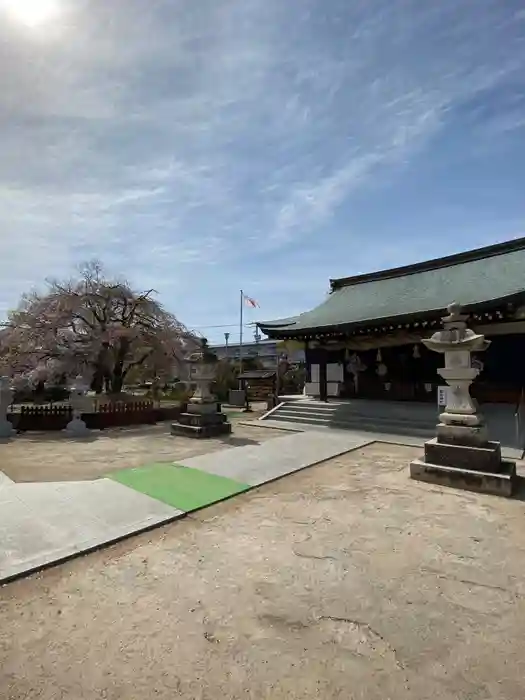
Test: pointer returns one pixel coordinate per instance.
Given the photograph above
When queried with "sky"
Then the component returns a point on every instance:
(203, 147)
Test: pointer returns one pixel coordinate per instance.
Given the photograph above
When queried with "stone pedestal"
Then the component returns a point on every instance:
(6, 396)
(202, 425)
(203, 418)
(461, 455)
(467, 467)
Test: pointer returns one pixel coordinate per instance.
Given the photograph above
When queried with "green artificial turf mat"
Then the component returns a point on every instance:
(181, 487)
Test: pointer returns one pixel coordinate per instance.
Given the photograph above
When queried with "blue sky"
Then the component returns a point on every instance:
(206, 146)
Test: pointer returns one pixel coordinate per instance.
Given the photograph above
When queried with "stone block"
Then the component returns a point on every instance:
(196, 419)
(485, 459)
(471, 419)
(500, 483)
(203, 407)
(462, 435)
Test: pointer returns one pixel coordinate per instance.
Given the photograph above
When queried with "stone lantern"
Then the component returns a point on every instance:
(202, 417)
(79, 403)
(6, 398)
(462, 455)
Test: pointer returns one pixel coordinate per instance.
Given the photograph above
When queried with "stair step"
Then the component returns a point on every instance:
(365, 427)
(394, 417)
(292, 418)
(299, 407)
(349, 409)
(289, 412)
(359, 424)
(363, 417)
(353, 419)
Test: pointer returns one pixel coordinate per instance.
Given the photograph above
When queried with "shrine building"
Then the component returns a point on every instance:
(364, 340)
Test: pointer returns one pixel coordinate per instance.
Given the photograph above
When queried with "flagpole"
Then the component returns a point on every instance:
(240, 332)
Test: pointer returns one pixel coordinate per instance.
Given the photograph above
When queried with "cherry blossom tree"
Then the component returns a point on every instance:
(94, 326)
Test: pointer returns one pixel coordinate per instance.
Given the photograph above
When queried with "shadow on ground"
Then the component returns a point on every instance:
(239, 441)
(161, 430)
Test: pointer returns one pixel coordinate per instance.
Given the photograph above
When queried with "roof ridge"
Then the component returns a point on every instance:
(434, 264)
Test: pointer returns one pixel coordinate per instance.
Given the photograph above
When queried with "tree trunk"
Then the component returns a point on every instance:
(117, 380)
(97, 383)
(101, 374)
(118, 374)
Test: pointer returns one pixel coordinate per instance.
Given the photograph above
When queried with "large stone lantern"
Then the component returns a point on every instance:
(457, 343)
(462, 455)
(202, 417)
(6, 397)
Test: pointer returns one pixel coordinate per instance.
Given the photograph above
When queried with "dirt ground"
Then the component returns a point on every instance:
(54, 457)
(344, 581)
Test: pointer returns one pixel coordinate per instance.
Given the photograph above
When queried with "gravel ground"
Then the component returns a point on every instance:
(54, 457)
(346, 580)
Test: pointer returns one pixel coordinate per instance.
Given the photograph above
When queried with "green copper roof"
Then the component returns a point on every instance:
(470, 279)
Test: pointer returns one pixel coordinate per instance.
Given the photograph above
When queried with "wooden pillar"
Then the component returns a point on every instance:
(307, 363)
(323, 384)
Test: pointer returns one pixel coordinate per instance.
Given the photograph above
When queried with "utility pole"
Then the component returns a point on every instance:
(226, 339)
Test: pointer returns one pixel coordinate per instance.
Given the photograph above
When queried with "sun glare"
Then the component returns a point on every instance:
(32, 13)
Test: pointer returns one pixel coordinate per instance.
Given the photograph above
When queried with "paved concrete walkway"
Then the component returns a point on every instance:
(255, 465)
(4, 480)
(44, 523)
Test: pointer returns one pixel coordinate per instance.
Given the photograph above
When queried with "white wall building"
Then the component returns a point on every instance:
(267, 351)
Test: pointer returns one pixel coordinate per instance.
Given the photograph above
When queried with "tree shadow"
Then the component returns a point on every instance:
(239, 441)
(55, 436)
(112, 433)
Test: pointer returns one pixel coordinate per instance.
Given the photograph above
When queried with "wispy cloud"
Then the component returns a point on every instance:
(170, 137)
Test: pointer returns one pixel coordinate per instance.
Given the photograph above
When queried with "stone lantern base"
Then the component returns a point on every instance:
(462, 457)
(202, 420)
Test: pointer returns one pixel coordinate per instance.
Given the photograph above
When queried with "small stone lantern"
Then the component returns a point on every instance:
(203, 369)
(6, 398)
(79, 403)
(202, 417)
(462, 455)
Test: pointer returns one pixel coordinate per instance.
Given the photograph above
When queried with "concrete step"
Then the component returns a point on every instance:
(305, 415)
(390, 417)
(363, 426)
(320, 408)
(300, 418)
(302, 412)
(358, 423)
(385, 411)
(402, 410)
